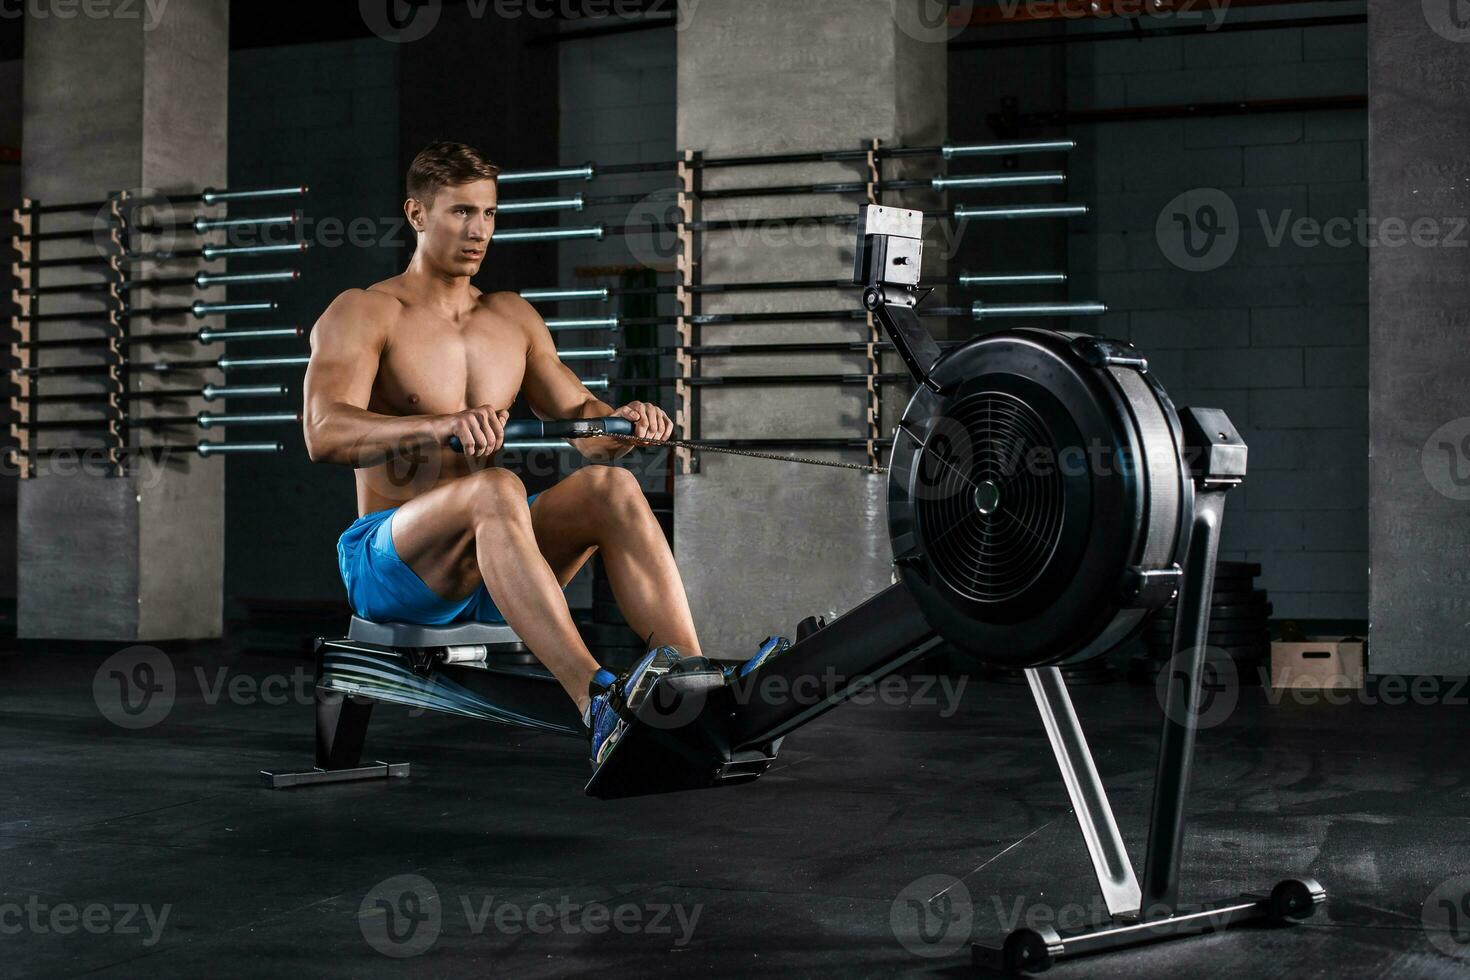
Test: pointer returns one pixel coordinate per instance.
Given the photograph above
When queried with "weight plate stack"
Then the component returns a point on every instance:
(1240, 627)
(1095, 671)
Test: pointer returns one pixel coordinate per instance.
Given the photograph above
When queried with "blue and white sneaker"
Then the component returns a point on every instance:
(771, 646)
(601, 717)
(615, 700)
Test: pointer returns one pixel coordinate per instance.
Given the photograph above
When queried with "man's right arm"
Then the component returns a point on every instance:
(346, 348)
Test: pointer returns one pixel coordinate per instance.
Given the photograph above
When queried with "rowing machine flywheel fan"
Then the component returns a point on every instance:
(1030, 484)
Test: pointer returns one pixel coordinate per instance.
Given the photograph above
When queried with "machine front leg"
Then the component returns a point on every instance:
(1105, 845)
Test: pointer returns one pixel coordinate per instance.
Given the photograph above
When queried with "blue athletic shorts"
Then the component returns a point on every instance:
(382, 588)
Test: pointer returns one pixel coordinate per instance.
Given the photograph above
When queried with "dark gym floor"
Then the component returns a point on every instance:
(799, 874)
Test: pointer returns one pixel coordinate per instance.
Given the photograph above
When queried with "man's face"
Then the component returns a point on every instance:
(457, 227)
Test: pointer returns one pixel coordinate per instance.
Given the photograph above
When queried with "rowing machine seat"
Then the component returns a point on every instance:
(498, 637)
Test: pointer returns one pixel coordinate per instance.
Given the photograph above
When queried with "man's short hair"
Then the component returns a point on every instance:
(444, 163)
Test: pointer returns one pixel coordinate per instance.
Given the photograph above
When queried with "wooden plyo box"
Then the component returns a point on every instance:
(1321, 663)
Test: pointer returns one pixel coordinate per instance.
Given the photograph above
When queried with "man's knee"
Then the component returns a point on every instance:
(613, 486)
(495, 493)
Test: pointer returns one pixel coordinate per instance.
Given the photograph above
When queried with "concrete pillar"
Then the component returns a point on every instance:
(763, 544)
(1419, 317)
(11, 79)
(111, 103)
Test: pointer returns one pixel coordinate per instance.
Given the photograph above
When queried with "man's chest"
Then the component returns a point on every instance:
(431, 367)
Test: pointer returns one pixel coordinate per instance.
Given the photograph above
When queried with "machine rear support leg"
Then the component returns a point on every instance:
(1156, 915)
(341, 729)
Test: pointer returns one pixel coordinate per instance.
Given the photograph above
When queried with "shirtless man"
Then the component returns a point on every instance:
(400, 367)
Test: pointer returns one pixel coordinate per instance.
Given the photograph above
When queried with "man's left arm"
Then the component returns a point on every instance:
(554, 391)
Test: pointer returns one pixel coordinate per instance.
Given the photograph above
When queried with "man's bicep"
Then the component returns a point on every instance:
(552, 389)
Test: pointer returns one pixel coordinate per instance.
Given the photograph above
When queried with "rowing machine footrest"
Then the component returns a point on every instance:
(678, 739)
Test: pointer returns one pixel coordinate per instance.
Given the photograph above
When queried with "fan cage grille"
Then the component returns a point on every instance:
(989, 497)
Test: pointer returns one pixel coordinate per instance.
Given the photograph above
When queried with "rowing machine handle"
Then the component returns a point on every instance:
(559, 429)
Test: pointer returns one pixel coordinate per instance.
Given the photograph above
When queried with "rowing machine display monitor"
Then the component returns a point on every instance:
(890, 246)
(1044, 498)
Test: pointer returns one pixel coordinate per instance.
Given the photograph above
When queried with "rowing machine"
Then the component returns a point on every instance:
(1044, 498)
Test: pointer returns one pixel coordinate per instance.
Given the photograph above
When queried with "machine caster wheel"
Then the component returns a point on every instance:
(1030, 950)
(1295, 899)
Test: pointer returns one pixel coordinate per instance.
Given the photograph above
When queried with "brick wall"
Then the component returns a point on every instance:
(617, 106)
(618, 94)
(1274, 330)
(618, 97)
(325, 115)
(1276, 334)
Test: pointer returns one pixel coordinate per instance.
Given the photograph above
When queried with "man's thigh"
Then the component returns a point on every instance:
(434, 535)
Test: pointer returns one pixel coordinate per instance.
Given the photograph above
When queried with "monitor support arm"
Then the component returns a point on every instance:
(890, 256)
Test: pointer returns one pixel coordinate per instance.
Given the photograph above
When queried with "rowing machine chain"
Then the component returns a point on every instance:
(731, 451)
